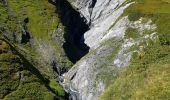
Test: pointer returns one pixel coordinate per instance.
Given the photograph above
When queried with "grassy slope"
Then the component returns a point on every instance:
(42, 17)
(42, 21)
(147, 78)
(20, 79)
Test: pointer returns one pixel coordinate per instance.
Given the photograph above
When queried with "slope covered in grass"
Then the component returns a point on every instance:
(20, 79)
(23, 71)
(147, 77)
(42, 45)
(41, 15)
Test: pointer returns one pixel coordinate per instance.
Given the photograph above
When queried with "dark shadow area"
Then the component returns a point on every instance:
(25, 38)
(75, 27)
(93, 4)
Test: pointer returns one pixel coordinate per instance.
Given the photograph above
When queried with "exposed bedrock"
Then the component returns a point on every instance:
(109, 49)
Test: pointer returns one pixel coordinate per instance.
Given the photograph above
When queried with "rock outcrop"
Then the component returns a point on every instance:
(109, 47)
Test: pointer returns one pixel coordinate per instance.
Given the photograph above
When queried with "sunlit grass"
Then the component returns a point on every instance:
(42, 17)
(147, 78)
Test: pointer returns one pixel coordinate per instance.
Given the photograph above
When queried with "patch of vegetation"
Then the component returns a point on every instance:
(106, 75)
(40, 20)
(106, 70)
(57, 88)
(11, 69)
(134, 15)
(147, 78)
(20, 79)
(158, 11)
(9, 82)
(132, 33)
(3, 14)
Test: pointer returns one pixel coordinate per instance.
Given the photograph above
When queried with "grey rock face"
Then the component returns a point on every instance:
(104, 15)
(109, 48)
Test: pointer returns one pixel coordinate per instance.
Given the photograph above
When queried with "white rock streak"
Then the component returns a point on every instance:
(101, 26)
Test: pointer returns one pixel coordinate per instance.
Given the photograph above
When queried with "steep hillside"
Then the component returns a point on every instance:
(20, 79)
(147, 77)
(94, 49)
(35, 29)
(31, 50)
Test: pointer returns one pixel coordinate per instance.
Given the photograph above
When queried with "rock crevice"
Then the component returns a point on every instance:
(75, 27)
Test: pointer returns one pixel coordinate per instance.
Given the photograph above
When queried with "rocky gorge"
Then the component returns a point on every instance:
(85, 49)
(108, 47)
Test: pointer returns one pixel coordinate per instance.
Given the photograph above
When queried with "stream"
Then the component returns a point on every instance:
(69, 88)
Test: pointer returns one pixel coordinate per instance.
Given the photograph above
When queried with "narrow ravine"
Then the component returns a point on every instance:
(74, 46)
(75, 27)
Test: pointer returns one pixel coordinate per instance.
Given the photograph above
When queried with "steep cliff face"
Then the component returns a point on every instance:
(116, 33)
(107, 56)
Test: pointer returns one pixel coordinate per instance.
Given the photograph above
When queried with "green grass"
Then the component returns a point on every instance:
(43, 21)
(157, 10)
(3, 15)
(15, 58)
(42, 17)
(11, 67)
(147, 77)
(132, 33)
(21, 80)
(105, 73)
(57, 88)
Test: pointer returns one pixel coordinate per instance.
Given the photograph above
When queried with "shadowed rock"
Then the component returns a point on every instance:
(75, 27)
